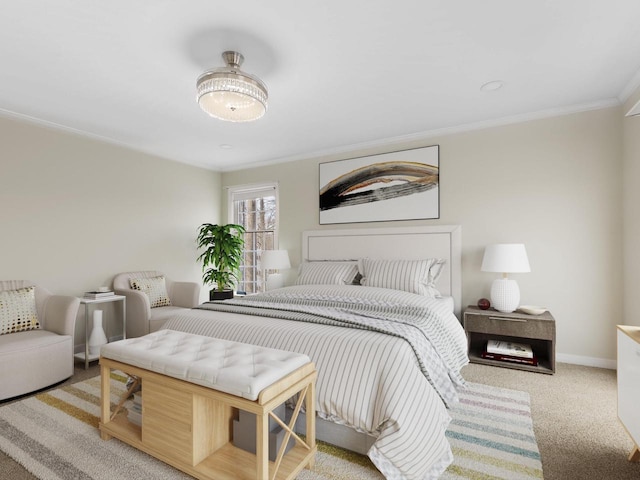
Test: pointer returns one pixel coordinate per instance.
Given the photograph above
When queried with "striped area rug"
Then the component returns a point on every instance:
(491, 435)
(54, 436)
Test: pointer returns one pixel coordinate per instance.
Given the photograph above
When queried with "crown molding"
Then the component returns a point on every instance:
(92, 136)
(630, 88)
(440, 132)
(387, 142)
(57, 126)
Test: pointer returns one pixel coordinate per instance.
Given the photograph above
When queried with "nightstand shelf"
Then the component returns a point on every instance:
(539, 331)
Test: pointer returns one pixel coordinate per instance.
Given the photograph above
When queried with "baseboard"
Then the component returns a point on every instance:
(586, 361)
(79, 348)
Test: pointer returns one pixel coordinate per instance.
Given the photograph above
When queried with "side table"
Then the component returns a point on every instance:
(539, 331)
(88, 303)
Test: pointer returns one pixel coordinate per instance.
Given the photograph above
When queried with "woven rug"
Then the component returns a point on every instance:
(54, 436)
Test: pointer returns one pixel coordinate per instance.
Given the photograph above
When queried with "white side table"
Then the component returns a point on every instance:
(89, 302)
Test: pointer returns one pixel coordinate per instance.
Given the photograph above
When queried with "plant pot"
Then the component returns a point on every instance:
(220, 294)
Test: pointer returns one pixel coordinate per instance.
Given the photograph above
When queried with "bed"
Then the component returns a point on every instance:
(388, 359)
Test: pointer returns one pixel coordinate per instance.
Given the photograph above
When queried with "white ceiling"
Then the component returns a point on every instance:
(340, 74)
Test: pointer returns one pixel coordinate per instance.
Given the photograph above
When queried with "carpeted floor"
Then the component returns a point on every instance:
(54, 435)
(574, 416)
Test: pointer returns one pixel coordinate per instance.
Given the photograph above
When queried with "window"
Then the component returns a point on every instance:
(255, 207)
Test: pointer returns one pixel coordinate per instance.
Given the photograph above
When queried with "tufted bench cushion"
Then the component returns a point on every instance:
(236, 368)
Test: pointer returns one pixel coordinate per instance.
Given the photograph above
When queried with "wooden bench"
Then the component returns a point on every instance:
(191, 388)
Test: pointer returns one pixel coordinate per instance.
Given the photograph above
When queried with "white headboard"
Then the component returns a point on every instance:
(410, 243)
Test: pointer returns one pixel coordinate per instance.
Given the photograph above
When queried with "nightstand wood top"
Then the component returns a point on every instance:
(474, 310)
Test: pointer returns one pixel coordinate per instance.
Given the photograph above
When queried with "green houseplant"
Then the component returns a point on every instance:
(223, 246)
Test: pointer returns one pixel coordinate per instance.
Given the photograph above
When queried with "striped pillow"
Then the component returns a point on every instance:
(155, 288)
(327, 273)
(18, 310)
(414, 276)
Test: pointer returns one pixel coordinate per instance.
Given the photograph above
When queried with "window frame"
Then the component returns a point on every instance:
(247, 191)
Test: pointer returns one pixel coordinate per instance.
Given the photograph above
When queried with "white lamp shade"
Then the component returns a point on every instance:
(505, 258)
(275, 260)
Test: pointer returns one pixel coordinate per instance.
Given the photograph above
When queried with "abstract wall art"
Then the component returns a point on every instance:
(400, 185)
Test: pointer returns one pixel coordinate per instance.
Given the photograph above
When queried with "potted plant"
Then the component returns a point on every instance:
(221, 258)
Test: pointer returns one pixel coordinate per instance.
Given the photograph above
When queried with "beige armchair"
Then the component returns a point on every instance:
(141, 318)
(35, 359)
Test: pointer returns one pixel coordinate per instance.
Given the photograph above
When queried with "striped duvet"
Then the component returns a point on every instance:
(388, 361)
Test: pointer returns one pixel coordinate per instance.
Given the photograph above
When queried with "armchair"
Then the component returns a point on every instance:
(141, 318)
(36, 359)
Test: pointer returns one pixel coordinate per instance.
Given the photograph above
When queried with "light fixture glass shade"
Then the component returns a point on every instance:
(275, 260)
(505, 258)
(228, 93)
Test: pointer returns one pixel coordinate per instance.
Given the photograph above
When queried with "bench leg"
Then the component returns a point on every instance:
(105, 398)
(262, 446)
(310, 405)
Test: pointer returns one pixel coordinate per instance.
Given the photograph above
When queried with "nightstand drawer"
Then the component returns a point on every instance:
(511, 326)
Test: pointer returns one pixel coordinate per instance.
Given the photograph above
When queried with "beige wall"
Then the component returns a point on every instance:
(75, 211)
(553, 184)
(631, 175)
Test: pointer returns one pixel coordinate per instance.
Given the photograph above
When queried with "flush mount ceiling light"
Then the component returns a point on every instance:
(230, 94)
(492, 86)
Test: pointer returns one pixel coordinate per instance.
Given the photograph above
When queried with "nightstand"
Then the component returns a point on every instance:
(539, 331)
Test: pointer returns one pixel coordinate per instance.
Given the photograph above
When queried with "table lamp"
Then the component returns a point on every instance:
(505, 258)
(274, 260)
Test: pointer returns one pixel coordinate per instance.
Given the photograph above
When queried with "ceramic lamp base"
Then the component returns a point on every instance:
(274, 280)
(505, 295)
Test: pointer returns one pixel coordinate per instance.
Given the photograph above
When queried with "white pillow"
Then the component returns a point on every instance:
(414, 276)
(18, 310)
(155, 288)
(327, 273)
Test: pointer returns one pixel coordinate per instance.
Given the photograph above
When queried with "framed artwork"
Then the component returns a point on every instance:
(402, 185)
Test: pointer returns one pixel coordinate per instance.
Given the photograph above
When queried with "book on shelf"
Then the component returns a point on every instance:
(510, 358)
(134, 413)
(96, 295)
(521, 350)
(135, 417)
